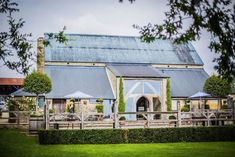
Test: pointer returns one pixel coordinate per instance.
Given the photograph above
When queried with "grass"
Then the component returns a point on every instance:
(14, 144)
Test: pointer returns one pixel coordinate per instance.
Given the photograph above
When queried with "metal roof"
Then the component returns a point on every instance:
(21, 92)
(68, 79)
(120, 49)
(140, 71)
(186, 82)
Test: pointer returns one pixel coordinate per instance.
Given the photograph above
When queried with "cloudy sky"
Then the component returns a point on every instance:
(95, 17)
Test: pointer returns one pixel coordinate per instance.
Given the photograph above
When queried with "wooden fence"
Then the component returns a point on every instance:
(14, 119)
(22, 119)
(147, 120)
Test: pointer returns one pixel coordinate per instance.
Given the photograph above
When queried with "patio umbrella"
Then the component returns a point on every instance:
(78, 94)
(200, 95)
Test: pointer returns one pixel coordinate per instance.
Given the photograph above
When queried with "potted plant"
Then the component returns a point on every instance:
(185, 108)
(122, 121)
(99, 108)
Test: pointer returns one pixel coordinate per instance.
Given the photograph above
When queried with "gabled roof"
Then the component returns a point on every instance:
(136, 71)
(185, 82)
(119, 49)
(69, 79)
(21, 92)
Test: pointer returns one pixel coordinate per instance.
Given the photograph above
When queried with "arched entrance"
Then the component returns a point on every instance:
(141, 106)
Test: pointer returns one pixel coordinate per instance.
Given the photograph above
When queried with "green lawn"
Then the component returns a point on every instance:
(13, 143)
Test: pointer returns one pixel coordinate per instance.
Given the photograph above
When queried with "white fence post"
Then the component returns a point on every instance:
(18, 119)
(47, 116)
(116, 119)
(179, 113)
(148, 118)
(208, 118)
(82, 120)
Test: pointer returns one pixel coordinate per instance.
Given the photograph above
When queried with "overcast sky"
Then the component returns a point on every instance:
(95, 17)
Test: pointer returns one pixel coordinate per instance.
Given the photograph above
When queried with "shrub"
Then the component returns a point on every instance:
(99, 108)
(122, 118)
(172, 117)
(159, 135)
(168, 95)
(100, 100)
(51, 110)
(121, 101)
(21, 104)
(185, 108)
(82, 136)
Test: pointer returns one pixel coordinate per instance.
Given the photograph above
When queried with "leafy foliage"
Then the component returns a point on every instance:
(59, 37)
(71, 106)
(37, 83)
(21, 104)
(99, 108)
(185, 108)
(185, 21)
(168, 95)
(51, 110)
(100, 100)
(217, 86)
(121, 102)
(14, 43)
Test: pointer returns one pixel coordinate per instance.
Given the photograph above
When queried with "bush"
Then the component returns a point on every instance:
(122, 118)
(160, 135)
(21, 104)
(103, 136)
(186, 108)
(99, 108)
(51, 110)
(100, 100)
(172, 117)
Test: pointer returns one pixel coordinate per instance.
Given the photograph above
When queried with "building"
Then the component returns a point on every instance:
(8, 86)
(93, 64)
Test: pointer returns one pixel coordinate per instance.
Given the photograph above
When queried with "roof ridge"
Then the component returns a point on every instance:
(86, 34)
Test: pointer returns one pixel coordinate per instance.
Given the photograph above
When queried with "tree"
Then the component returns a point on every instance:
(217, 87)
(168, 95)
(185, 21)
(37, 83)
(15, 43)
(121, 102)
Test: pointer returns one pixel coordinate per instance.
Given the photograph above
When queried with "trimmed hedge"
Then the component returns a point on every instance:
(114, 136)
(82, 136)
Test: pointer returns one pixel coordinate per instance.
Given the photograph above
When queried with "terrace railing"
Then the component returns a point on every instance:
(141, 119)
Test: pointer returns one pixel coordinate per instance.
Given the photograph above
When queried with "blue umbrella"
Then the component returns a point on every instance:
(200, 95)
(79, 94)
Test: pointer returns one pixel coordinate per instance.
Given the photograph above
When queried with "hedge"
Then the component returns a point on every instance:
(159, 135)
(100, 136)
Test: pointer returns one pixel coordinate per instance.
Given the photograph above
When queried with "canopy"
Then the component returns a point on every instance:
(200, 95)
(78, 94)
